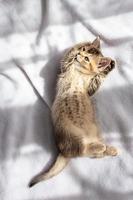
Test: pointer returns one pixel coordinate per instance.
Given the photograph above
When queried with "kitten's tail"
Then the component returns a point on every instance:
(57, 167)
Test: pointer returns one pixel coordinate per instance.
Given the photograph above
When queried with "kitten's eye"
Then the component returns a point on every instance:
(86, 58)
(83, 48)
(93, 51)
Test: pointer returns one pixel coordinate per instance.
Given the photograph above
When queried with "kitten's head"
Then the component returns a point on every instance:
(90, 58)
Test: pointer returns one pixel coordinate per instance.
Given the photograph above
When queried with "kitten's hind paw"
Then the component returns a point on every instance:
(96, 148)
(111, 151)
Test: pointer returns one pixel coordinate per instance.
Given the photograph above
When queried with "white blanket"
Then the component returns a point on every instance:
(35, 34)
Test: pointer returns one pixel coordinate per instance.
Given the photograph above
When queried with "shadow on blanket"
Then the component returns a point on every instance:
(89, 190)
(67, 13)
(104, 194)
(114, 109)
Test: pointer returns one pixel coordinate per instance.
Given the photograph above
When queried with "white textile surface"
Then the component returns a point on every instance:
(35, 33)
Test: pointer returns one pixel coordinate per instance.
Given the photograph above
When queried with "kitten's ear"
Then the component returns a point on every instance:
(96, 42)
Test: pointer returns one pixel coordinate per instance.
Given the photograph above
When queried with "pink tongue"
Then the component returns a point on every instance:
(104, 62)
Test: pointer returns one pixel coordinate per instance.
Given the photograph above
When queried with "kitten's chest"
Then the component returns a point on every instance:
(79, 82)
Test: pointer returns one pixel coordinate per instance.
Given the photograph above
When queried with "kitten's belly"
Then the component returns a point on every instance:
(73, 116)
(77, 109)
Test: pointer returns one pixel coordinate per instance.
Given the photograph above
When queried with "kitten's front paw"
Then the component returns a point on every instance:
(109, 68)
(94, 84)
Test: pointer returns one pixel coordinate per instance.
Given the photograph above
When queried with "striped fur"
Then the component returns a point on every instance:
(83, 68)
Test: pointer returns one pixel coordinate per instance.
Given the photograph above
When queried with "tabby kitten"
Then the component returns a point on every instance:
(76, 132)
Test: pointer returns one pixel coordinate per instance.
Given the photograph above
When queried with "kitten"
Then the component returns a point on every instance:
(83, 68)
